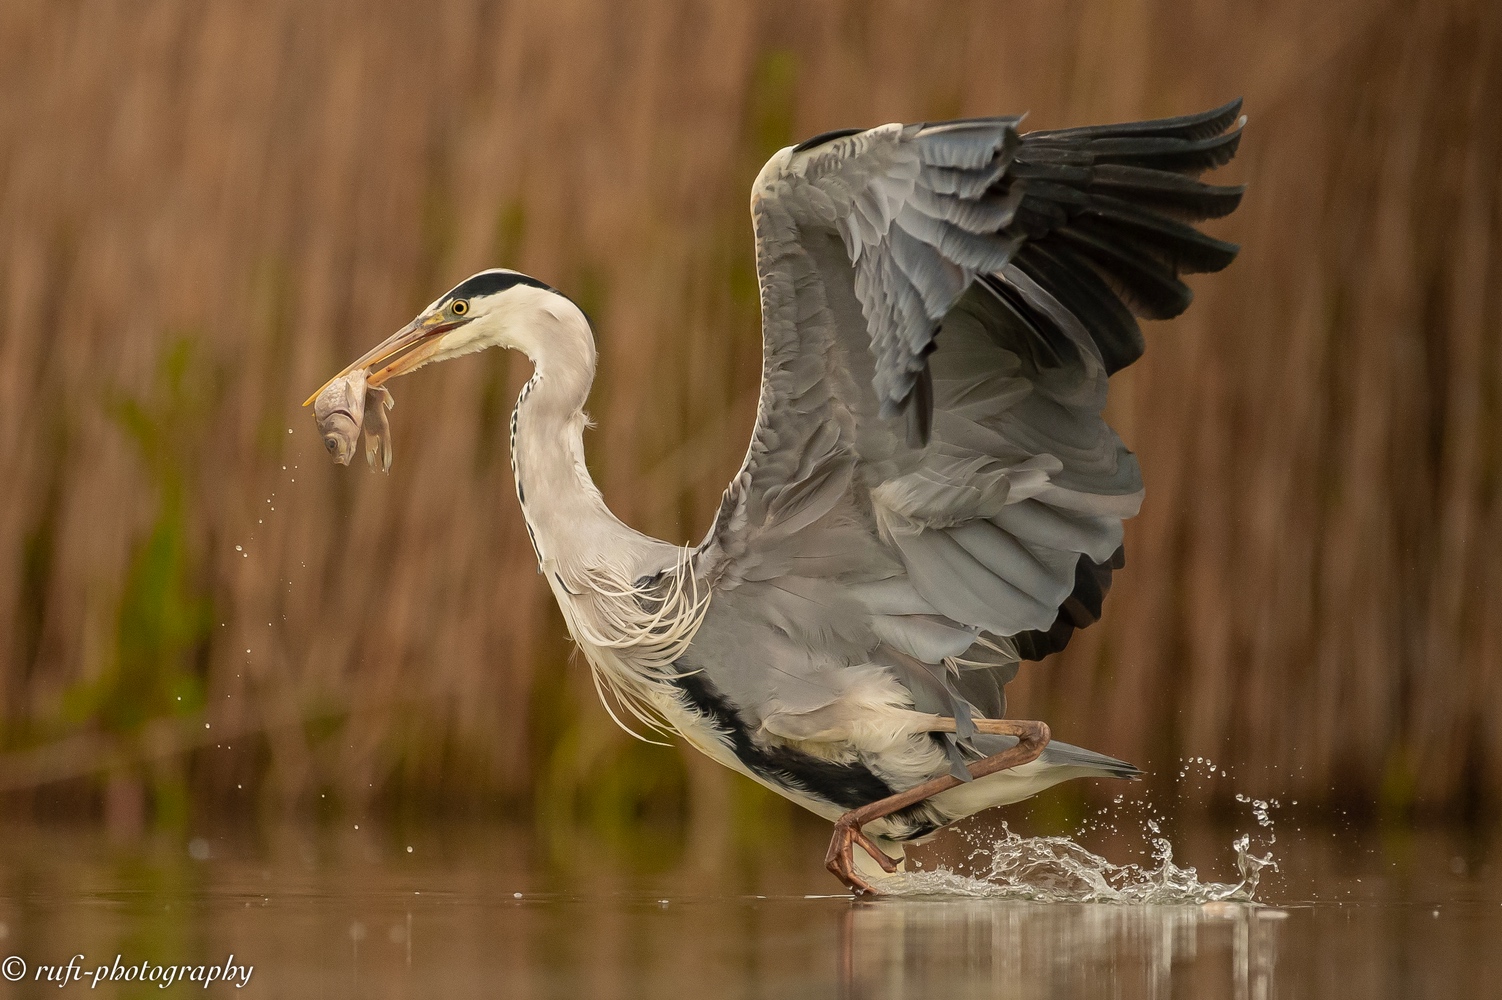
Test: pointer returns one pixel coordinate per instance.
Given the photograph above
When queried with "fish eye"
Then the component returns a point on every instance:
(330, 443)
(459, 307)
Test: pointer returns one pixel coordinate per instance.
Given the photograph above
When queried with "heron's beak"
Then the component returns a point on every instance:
(405, 349)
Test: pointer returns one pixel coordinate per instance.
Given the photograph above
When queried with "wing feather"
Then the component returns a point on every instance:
(931, 492)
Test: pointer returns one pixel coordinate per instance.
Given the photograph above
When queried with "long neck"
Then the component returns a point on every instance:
(566, 516)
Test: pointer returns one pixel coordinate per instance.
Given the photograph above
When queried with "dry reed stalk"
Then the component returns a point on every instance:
(1311, 587)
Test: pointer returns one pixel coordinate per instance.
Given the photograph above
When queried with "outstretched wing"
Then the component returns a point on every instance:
(931, 491)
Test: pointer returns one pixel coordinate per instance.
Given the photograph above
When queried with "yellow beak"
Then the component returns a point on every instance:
(409, 347)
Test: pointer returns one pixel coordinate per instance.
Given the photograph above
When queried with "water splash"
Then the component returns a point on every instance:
(1058, 870)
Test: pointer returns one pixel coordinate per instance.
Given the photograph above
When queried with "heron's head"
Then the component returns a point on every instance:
(495, 308)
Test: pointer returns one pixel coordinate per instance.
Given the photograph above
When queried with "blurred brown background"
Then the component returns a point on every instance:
(206, 209)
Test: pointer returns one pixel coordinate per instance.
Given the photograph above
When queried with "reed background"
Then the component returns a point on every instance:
(206, 209)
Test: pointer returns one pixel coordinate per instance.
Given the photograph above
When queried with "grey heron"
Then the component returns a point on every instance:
(931, 494)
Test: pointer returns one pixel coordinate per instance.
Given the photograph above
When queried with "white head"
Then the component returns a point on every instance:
(495, 308)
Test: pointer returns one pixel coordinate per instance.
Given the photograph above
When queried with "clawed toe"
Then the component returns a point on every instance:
(840, 860)
(888, 863)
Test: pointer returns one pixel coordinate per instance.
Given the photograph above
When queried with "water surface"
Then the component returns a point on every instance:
(499, 911)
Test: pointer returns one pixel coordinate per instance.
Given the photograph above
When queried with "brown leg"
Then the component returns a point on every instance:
(1032, 737)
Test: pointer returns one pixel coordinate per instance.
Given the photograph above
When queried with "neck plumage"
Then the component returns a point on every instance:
(571, 528)
(626, 597)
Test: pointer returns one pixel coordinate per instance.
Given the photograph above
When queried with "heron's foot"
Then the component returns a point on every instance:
(840, 859)
(1032, 737)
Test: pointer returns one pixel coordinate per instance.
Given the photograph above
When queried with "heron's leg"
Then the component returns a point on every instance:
(1032, 737)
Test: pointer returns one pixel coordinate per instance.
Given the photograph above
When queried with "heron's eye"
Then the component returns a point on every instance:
(459, 307)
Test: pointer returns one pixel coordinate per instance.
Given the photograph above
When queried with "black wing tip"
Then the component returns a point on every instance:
(1232, 193)
(1126, 218)
(1189, 145)
(1221, 118)
(1200, 125)
(1173, 195)
(1171, 154)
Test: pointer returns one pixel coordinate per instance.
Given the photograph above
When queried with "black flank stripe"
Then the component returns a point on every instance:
(848, 786)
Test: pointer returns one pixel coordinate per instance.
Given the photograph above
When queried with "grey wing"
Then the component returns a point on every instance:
(931, 492)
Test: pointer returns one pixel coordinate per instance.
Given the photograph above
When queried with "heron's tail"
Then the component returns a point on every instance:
(1090, 763)
(1081, 763)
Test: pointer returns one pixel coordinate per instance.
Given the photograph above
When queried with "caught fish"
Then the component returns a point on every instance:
(349, 405)
(339, 412)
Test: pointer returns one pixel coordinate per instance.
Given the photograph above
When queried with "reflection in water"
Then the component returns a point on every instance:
(1057, 932)
(901, 948)
(494, 911)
